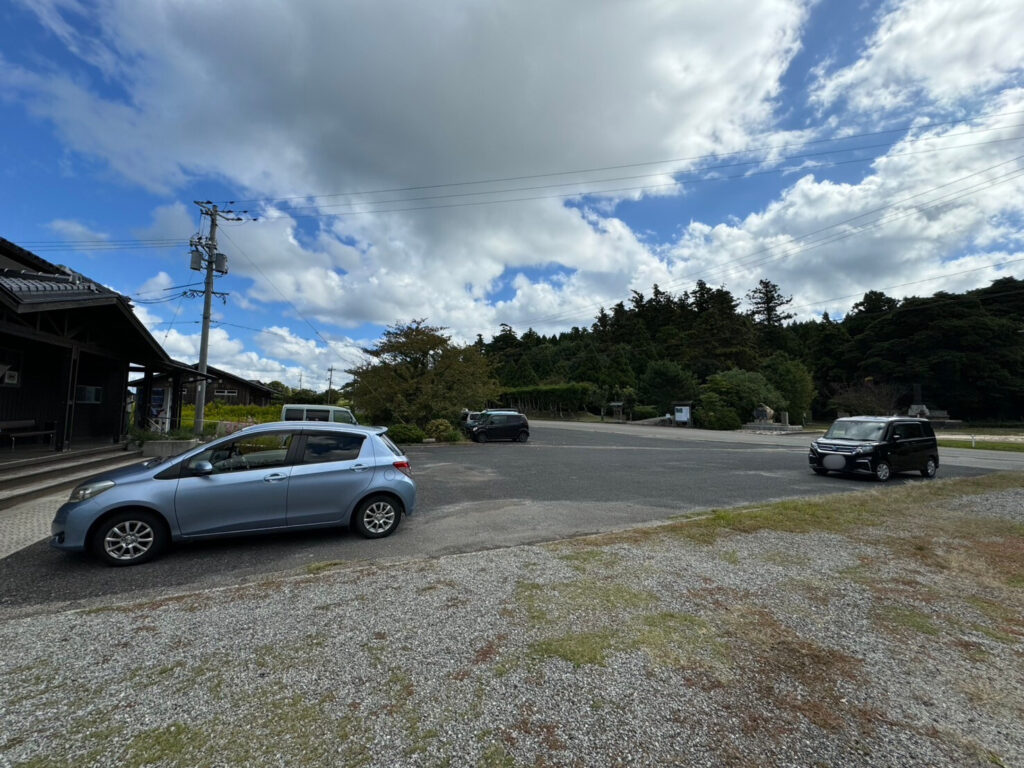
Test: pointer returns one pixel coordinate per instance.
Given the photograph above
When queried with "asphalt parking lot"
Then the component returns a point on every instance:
(569, 479)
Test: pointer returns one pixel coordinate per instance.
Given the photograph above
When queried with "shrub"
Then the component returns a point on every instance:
(645, 412)
(713, 413)
(406, 433)
(438, 428)
(451, 436)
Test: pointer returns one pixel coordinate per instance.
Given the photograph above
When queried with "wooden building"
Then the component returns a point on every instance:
(221, 386)
(67, 346)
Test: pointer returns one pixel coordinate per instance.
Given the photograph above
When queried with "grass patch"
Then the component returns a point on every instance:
(675, 640)
(907, 618)
(837, 513)
(584, 559)
(730, 556)
(327, 565)
(576, 600)
(578, 648)
(982, 445)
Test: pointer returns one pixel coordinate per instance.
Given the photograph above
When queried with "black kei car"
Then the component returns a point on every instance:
(501, 425)
(879, 445)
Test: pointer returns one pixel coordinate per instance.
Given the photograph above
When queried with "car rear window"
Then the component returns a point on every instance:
(390, 445)
(321, 448)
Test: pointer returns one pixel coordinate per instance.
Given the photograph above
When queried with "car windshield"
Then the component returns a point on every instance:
(856, 430)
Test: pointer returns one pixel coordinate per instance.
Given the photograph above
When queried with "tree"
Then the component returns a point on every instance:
(793, 381)
(665, 382)
(416, 374)
(766, 303)
(867, 399)
(742, 391)
(282, 393)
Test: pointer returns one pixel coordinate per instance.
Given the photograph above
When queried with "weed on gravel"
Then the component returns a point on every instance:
(875, 628)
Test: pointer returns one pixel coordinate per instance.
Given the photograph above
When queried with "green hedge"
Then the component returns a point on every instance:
(406, 433)
(641, 412)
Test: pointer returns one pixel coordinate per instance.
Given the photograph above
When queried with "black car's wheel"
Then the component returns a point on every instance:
(523, 436)
(130, 538)
(481, 437)
(820, 470)
(883, 471)
(377, 517)
(930, 468)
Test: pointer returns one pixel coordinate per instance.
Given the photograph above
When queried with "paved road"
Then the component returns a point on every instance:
(569, 479)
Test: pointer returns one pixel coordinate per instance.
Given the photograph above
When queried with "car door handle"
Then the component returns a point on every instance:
(359, 468)
(274, 478)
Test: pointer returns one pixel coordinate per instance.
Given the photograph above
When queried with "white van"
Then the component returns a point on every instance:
(303, 412)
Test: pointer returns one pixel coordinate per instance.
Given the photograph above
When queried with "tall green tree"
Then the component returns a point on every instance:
(794, 382)
(665, 382)
(415, 374)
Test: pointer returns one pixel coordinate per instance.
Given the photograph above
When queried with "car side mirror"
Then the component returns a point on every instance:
(202, 468)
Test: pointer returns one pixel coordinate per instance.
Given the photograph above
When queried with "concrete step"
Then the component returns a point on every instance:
(31, 471)
(66, 477)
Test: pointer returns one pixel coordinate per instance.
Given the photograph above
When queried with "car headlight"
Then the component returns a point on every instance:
(89, 490)
(864, 449)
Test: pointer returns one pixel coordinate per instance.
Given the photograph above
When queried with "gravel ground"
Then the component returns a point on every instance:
(892, 644)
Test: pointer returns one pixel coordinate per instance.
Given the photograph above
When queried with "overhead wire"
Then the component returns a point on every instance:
(695, 158)
(745, 260)
(273, 285)
(601, 192)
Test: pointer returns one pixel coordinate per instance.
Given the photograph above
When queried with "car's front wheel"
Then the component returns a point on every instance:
(523, 436)
(480, 437)
(930, 468)
(130, 538)
(883, 471)
(377, 517)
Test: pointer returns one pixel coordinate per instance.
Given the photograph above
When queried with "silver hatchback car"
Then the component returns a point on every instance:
(268, 478)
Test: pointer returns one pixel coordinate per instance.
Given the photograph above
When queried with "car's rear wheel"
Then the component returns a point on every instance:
(820, 470)
(883, 471)
(930, 468)
(130, 538)
(377, 517)
(523, 436)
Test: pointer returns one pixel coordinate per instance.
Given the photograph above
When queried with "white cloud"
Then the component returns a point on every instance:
(77, 231)
(357, 96)
(156, 286)
(343, 97)
(169, 222)
(916, 224)
(947, 51)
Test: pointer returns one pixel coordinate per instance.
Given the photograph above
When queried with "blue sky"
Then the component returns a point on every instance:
(506, 162)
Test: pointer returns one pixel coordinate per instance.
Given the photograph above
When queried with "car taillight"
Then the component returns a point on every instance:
(403, 467)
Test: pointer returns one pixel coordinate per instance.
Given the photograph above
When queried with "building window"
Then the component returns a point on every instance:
(225, 393)
(89, 395)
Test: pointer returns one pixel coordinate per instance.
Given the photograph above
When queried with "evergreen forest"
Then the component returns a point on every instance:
(961, 354)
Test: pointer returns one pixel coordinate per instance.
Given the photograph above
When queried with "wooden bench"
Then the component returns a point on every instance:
(12, 430)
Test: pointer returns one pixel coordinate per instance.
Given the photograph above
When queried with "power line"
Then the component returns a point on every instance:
(918, 282)
(744, 260)
(599, 192)
(273, 285)
(695, 158)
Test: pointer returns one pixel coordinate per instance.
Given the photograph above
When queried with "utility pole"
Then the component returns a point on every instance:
(205, 256)
(330, 381)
